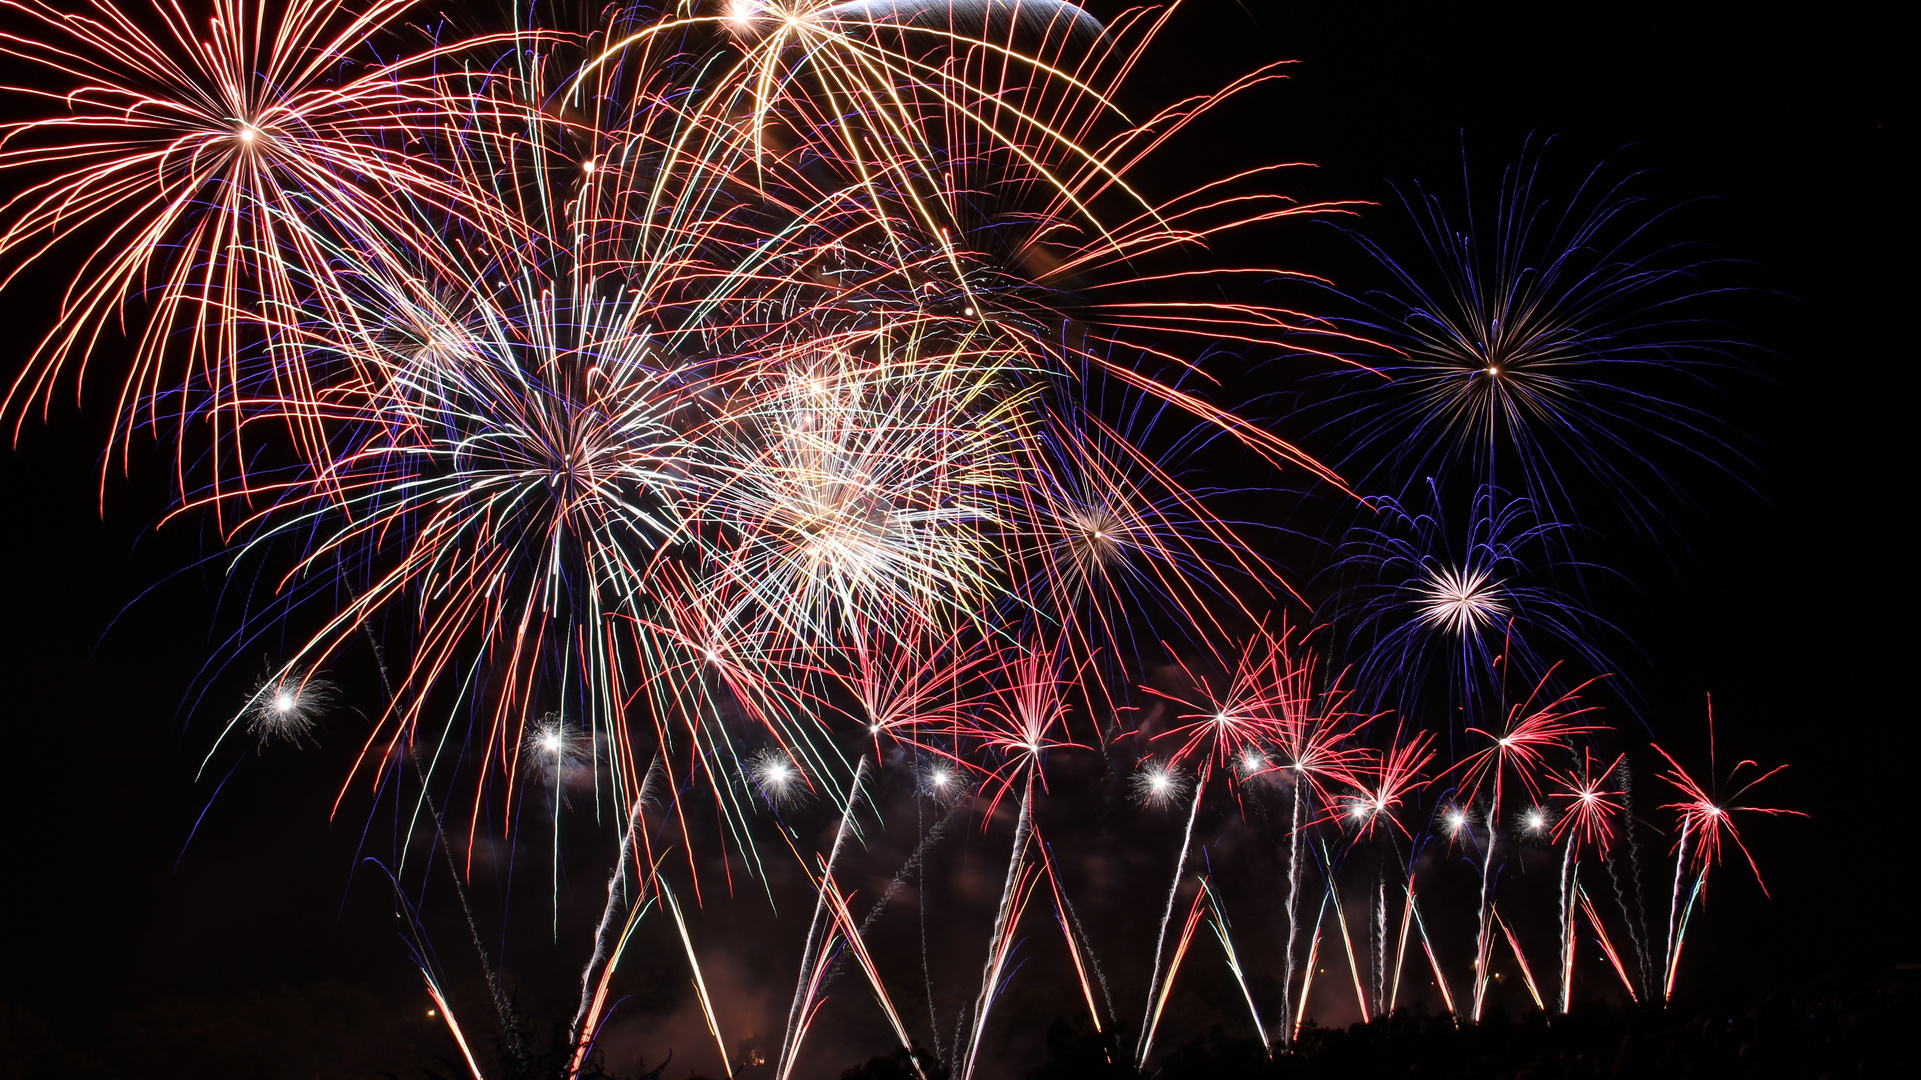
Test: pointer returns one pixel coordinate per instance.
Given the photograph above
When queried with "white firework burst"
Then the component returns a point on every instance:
(1459, 600)
(777, 778)
(1159, 784)
(286, 706)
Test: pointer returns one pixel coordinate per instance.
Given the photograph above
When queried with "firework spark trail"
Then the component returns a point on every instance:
(589, 1025)
(1072, 933)
(503, 1009)
(1222, 932)
(1400, 949)
(801, 1013)
(1158, 1005)
(926, 964)
(1155, 997)
(1005, 916)
(1307, 980)
(1380, 940)
(1607, 946)
(857, 945)
(914, 866)
(1382, 783)
(616, 897)
(1347, 941)
(1527, 974)
(1299, 811)
(453, 1026)
(1633, 915)
(1570, 881)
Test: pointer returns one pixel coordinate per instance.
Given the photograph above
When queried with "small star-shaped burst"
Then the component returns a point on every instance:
(1460, 600)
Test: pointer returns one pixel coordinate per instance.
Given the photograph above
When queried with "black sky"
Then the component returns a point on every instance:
(1793, 605)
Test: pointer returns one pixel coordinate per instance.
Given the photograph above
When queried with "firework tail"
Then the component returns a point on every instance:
(510, 1031)
(1680, 936)
(1069, 927)
(1004, 919)
(1606, 945)
(1526, 974)
(1672, 958)
(1222, 932)
(590, 1028)
(1307, 980)
(1569, 872)
(1167, 915)
(700, 981)
(1293, 910)
(926, 966)
(1634, 914)
(453, 1025)
(1400, 949)
(857, 945)
(1440, 979)
(1003, 948)
(560, 777)
(1347, 942)
(912, 866)
(1484, 940)
(800, 1013)
(616, 899)
(1380, 939)
(1173, 966)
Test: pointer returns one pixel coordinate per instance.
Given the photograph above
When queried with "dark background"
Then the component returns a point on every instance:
(1790, 603)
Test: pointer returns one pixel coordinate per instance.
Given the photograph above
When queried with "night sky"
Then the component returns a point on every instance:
(1786, 600)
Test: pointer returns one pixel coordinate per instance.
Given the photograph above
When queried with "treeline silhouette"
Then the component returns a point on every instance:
(1865, 1032)
(332, 1031)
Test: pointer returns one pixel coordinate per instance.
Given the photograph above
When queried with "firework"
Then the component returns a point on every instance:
(1586, 824)
(1432, 596)
(744, 387)
(1548, 339)
(1707, 822)
(1532, 729)
(286, 707)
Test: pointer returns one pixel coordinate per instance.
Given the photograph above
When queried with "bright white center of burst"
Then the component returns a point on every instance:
(1359, 811)
(938, 778)
(779, 774)
(873, 729)
(283, 702)
(550, 741)
(1492, 371)
(1455, 820)
(1251, 762)
(741, 11)
(969, 312)
(1715, 811)
(1534, 820)
(1459, 600)
(246, 133)
(587, 166)
(1159, 781)
(1505, 742)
